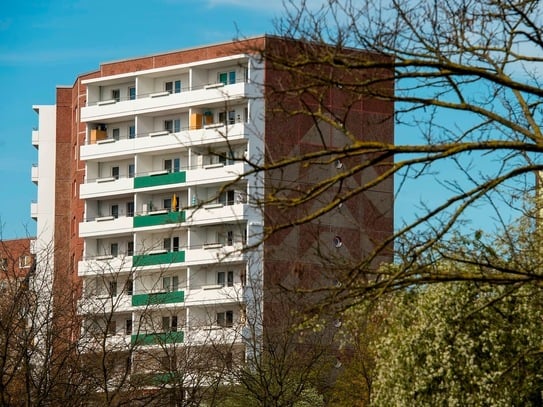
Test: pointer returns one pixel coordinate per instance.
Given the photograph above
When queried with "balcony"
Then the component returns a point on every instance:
(159, 219)
(35, 173)
(108, 148)
(36, 138)
(160, 178)
(157, 338)
(106, 187)
(169, 297)
(165, 102)
(217, 172)
(214, 294)
(34, 210)
(104, 265)
(218, 213)
(158, 258)
(105, 225)
(105, 304)
(213, 253)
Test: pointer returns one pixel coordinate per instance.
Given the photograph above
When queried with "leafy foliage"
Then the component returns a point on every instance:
(462, 344)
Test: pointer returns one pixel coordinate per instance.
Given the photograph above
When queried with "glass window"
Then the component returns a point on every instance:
(113, 288)
(230, 279)
(170, 283)
(131, 170)
(230, 238)
(115, 211)
(131, 131)
(130, 249)
(169, 323)
(129, 286)
(128, 327)
(25, 261)
(225, 319)
(115, 172)
(175, 245)
(220, 278)
(112, 327)
(231, 117)
(173, 86)
(223, 77)
(116, 95)
(132, 92)
(116, 134)
(114, 247)
(172, 165)
(130, 209)
(232, 77)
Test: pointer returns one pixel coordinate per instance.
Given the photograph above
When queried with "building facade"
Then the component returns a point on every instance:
(148, 195)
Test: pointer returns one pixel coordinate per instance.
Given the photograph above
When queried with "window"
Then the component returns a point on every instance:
(175, 244)
(115, 211)
(111, 327)
(171, 244)
(173, 126)
(227, 78)
(225, 319)
(130, 209)
(116, 133)
(172, 165)
(115, 172)
(231, 117)
(4, 264)
(132, 92)
(225, 278)
(128, 327)
(170, 283)
(173, 86)
(131, 170)
(227, 198)
(25, 261)
(169, 324)
(112, 289)
(132, 131)
(168, 203)
(114, 247)
(130, 248)
(116, 95)
(129, 287)
(230, 238)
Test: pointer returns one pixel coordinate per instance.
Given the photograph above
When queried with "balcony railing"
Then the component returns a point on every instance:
(152, 259)
(157, 338)
(169, 297)
(159, 219)
(160, 178)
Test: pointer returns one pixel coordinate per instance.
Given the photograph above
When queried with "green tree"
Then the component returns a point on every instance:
(461, 344)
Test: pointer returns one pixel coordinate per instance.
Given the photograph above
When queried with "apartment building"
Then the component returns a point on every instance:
(146, 194)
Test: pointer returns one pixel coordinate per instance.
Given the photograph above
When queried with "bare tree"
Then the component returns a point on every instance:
(463, 77)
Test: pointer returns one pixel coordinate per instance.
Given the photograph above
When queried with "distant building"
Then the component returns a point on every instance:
(142, 193)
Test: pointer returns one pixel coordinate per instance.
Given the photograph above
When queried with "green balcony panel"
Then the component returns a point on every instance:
(142, 260)
(159, 219)
(163, 179)
(157, 338)
(169, 297)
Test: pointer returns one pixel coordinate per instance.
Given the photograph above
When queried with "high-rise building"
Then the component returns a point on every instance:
(148, 194)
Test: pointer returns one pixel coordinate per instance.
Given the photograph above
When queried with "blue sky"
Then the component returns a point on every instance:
(44, 44)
